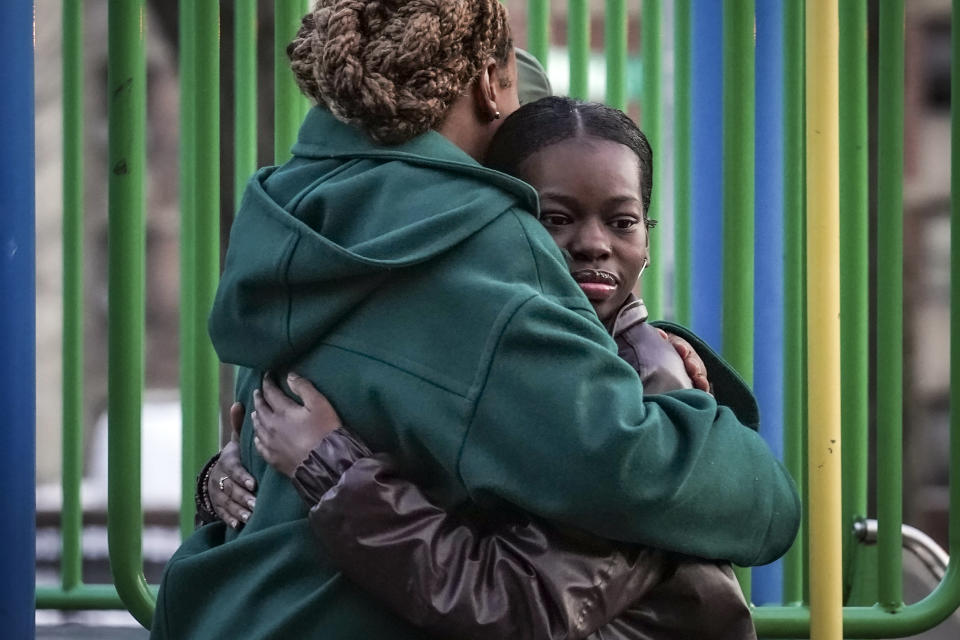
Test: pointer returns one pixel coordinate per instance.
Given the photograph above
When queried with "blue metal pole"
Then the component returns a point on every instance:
(706, 219)
(17, 318)
(768, 255)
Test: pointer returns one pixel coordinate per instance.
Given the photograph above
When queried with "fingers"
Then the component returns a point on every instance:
(262, 438)
(305, 389)
(692, 362)
(270, 395)
(231, 465)
(233, 504)
(236, 419)
(231, 501)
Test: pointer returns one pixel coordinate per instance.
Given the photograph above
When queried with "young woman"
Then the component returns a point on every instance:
(384, 260)
(462, 577)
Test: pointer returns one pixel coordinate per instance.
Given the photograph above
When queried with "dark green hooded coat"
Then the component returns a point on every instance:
(415, 288)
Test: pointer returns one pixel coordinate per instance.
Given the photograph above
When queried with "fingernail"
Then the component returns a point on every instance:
(244, 516)
(292, 376)
(233, 523)
(248, 484)
(251, 503)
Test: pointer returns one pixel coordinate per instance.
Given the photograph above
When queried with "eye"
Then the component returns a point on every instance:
(553, 218)
(624, 223)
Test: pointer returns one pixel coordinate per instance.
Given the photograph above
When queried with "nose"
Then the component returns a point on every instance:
(591, 242)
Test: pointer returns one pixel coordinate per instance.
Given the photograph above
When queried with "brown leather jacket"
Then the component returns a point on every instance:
(519, 579)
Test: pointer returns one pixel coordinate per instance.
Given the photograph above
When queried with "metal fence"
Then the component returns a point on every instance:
(788, 154)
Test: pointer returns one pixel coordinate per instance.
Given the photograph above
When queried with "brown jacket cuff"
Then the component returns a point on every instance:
(326, 463)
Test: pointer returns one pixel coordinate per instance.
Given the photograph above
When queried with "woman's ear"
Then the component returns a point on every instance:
(487, 90)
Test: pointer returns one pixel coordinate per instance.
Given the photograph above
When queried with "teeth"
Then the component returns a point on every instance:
(592, 275)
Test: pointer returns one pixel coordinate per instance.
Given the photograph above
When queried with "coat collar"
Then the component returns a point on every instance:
(633, 312)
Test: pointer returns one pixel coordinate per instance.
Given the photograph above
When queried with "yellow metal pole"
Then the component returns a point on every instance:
(823, 312)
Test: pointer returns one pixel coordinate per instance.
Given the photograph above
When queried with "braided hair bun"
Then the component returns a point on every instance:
(394, 67)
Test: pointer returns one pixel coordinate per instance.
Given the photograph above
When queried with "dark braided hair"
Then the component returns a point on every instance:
(394, 67)
(547, 121)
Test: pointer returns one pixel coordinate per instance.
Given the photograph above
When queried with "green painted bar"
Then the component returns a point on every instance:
(682, 109)
(738, 184)
(651, 124)
(738, 193)
(793, 189)
(615, 45)
(854, 268)
(889, 305)
(287, 100)
(578, 46)
(88, 596)
(245, 90)
(126, 82)
(71, 515)
(302, 100)
(206, 435)
(188, 214)
(538, 29)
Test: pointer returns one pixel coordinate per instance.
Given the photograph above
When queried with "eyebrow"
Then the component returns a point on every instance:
(571, 201)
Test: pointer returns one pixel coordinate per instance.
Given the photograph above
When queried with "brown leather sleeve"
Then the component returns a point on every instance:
(523, 580)
(701, 599)
(326, 463)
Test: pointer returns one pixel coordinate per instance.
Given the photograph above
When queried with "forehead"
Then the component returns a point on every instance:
(584, 163)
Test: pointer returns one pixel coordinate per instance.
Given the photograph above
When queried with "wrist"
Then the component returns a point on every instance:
(205, 512)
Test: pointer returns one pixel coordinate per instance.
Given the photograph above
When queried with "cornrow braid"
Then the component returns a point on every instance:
(394, 67)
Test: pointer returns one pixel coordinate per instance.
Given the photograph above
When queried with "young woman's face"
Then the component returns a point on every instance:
(590, 203)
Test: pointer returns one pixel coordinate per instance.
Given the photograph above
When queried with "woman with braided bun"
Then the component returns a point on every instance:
(414, 287)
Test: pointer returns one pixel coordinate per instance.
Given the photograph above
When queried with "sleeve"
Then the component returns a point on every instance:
(561, 430)
(520, 579)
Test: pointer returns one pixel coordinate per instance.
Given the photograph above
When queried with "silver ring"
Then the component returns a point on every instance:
(220, 482)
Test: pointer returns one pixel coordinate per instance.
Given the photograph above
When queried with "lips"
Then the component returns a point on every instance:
(596, 284)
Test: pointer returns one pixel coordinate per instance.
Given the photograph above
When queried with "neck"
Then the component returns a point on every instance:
(462, 127)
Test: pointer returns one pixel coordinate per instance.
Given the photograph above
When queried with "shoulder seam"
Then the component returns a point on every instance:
(503, 322)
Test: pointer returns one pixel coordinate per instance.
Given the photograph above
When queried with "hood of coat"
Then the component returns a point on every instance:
(316, 237)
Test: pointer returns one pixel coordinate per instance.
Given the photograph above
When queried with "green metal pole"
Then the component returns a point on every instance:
(738, 193)
(126, 82)
(578, 44)
(206, 433)
(615, 43)
(651, 123)
(682, 109)
(287, 100)
(188, 215)
(71, 516)
(854, 268)
(87, 596)
(738, 184)
(890, 302)
(538, 29)
(245, 83)
(793, 188)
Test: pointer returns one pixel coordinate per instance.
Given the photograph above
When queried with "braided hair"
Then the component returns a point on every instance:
(547, 121)
(394, 67)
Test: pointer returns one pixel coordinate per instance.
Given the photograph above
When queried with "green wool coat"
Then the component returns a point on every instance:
(415, 289)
